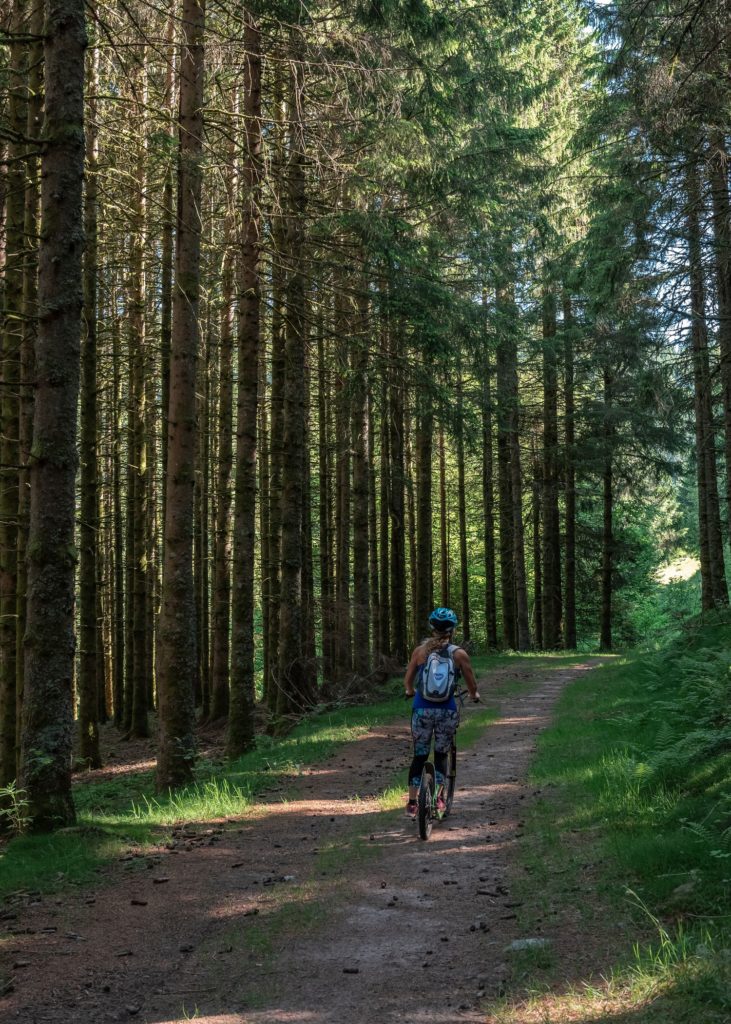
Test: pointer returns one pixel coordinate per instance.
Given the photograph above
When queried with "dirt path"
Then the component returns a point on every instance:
(315, 909)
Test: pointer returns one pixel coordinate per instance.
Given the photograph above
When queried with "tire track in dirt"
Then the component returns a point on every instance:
(258, 921)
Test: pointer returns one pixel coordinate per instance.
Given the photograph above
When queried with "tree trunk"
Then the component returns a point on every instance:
(718, 173)
(505, 492)
(516, 487)
(396, 488)
(424, 541)
(343, 485)
(488, 503)
(276, 448)
(241, 712)
(325, 519)
(538, 634)
(47, 740)
(178, 656)
(292, 695)
(361, 590)
(462, 516)
(138, 455)
(88, 683)
(570, 475)
(443, 525)
(715, 593)
(118, 528)
(11, 342)
(550, 514)
(605, 632)
(30, 331)
(167, 253)
(384, 604)
(223, 544)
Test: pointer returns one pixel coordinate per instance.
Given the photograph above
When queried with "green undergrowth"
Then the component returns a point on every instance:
(633, 831)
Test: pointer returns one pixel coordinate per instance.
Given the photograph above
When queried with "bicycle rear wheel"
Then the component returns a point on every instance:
(450, 779)
(426, 802)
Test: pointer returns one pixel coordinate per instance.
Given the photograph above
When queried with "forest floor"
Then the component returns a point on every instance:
(318, 905)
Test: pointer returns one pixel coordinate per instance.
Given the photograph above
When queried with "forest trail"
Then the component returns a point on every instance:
(317, 907)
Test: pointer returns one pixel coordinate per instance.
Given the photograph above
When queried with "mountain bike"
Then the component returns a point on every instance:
(427, 812)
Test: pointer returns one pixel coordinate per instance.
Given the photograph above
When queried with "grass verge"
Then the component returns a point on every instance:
(629, 844)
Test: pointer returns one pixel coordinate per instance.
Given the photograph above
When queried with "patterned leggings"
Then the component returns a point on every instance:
(440, 723)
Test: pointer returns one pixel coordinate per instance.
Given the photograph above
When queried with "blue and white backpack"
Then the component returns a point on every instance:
(438, 677)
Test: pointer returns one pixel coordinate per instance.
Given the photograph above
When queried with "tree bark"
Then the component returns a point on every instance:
(718, 173)
(605, 631)
(361, 589)
(570, 475)
(443, 526)
(88, 682)
(292, 694)
(11, 342)
(505, 491)
(223, 540)
(177, 653)
(424, 541)
(325, 518)
(396, 508)
(538, 605)
(47, 739)
(714, 589)
(462, 517)
(240, 735)
(551, 527)
(488, 504)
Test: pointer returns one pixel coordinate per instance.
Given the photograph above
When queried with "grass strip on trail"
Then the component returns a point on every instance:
(632, 835)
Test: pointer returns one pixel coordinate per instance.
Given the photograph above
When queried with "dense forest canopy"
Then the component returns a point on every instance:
(362, 308)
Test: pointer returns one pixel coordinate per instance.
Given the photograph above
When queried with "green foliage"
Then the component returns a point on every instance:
(641, 756)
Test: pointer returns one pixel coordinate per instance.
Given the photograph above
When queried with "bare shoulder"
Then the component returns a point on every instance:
(461, 656)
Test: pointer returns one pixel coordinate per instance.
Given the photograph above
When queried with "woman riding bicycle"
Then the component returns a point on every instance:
(435, 718)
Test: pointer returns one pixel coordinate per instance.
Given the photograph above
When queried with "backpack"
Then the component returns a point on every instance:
(439, 675)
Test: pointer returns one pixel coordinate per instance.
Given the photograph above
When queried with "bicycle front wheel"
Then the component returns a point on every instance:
(426, 797)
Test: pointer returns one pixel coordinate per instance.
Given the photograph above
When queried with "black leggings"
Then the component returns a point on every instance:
(441, 723)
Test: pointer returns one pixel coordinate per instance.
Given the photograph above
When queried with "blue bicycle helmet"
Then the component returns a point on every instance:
(443, 620)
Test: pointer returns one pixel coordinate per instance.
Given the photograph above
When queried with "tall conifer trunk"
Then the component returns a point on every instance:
(292, 695)
(488, 502)
(605, 630)
(538, 634)
(570, 474)
(361, 591)
(222, 540)
(30, 331)
(505, 487)
(241, 710)
(178, 655)
(462, 517)
(718, 167)
(444, 587)
(88, 682)
(138, 454)
(47, 738)
(397, 495)
(551, 528)
(424, 497)
(10, 348)
(714, 590)
(325, 506)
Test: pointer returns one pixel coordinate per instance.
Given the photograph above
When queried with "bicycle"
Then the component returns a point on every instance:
(427, 812)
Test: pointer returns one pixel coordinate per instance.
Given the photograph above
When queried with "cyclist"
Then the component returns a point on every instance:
(429, 718)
